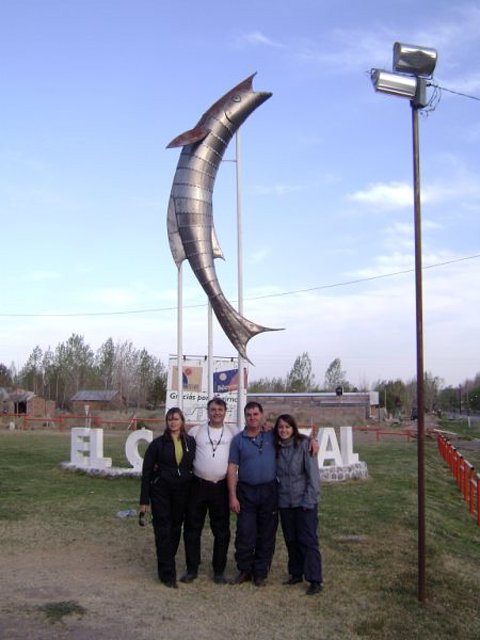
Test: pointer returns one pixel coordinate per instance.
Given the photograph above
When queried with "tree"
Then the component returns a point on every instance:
(5, 376)
(74, 361)
(335, 376)
(105, 363)
(431, 391)
(157, 391)
(126, 364)
(300, 378)
(474, 400)
(31, 374)
(449, 399)
(267, 385)
(58, 375)
(395, 396)
(50, 375)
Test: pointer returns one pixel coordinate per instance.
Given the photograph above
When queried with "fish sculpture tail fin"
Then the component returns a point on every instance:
(238, 328)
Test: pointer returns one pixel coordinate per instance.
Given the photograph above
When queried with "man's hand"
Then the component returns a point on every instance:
(234, 505)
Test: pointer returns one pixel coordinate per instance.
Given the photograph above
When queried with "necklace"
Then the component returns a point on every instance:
(214, 444)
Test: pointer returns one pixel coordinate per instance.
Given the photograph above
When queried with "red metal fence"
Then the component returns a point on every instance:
(467, 480)
(64, 422)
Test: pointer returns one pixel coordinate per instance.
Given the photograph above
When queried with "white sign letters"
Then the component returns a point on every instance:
(86, 448)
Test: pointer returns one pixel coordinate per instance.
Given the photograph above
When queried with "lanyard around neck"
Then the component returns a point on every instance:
(213, 444)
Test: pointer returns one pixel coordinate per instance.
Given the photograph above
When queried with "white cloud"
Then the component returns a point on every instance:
(113, 296)
(467, 83)
(380, 313)
(39, 276)
(459, 187)
(385, 196)
(389, 196)
(277, 189)
(255, 39)
(354, 49)
(452, 35)
(259, 256)
(405, 229)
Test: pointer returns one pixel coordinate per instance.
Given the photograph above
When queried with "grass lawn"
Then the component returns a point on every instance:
(367, 535)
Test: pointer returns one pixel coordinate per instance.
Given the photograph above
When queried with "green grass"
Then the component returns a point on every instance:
(56, 611)
(368, 535)
(382, 514)
(30, 475)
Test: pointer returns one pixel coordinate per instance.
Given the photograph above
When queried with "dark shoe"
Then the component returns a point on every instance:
(172, 584)
(314, 588)
(294, 580)
(188, 577)
(259, 581)
(219, 578)
(242, 577)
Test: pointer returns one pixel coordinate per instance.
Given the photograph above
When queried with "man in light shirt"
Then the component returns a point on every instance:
(209, 492)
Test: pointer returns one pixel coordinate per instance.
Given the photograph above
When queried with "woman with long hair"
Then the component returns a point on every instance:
(165, 486)
(298, 493)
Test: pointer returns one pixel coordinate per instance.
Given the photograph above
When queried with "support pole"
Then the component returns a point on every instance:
(180, 336)
(240, 387)
(420, 363)
(210, 352)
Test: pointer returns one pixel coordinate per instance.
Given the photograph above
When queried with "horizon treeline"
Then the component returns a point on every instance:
(58, 374)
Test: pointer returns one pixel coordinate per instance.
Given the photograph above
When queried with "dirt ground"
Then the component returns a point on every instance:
(113, 591)
(114, 584)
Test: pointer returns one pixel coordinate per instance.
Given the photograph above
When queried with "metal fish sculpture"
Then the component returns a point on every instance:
(191, 232)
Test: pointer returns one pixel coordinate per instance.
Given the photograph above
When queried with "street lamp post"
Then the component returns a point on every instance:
(412, 66)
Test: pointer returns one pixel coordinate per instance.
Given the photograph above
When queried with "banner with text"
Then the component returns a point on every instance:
(195, 373)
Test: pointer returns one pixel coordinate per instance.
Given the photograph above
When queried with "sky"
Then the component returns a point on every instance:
(92, 91)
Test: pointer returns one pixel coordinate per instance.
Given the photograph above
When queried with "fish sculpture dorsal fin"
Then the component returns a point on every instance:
(197, 134)
(216, 249)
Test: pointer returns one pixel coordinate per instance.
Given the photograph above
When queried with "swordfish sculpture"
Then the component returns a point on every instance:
(191, 232)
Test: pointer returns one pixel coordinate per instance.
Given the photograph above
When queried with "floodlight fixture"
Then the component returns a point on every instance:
(414, 60)
(393, 83)
(398, 84)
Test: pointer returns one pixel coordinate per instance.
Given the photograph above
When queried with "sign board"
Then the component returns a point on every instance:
(195, 385)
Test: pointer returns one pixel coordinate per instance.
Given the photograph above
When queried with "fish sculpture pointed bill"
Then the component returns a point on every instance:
(191, 232)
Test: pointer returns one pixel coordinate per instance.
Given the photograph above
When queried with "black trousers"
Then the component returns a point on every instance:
(257, 525)
(168, 503)
(299, 528)
(212, 498)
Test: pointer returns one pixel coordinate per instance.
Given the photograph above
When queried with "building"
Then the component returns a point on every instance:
(22, 402)
(91, 401)
(322, 409)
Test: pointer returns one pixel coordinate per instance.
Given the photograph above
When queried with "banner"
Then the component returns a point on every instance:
(195, 386)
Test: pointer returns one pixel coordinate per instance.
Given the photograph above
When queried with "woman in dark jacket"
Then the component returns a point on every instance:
(165, 485)
(298, 492)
